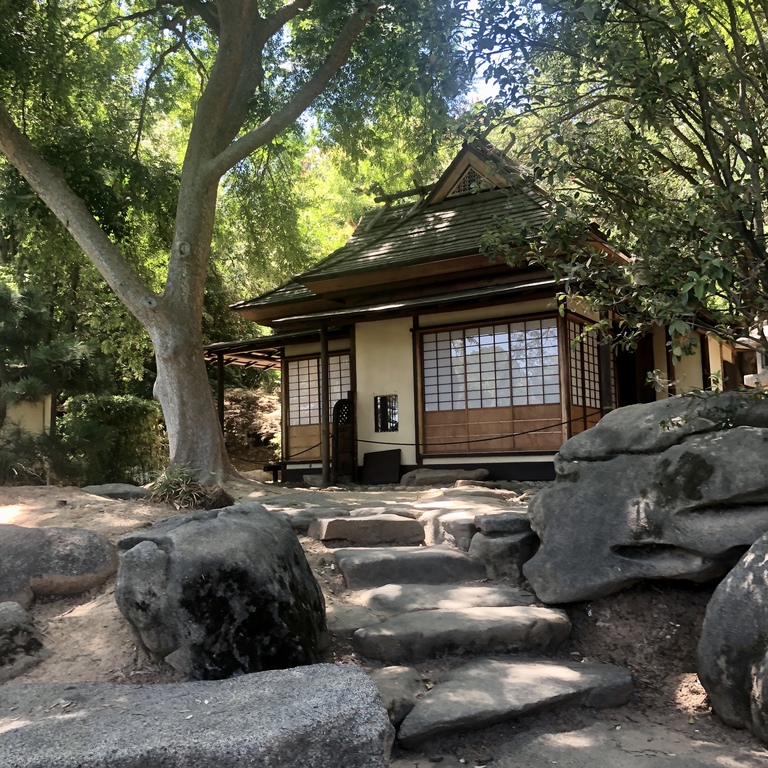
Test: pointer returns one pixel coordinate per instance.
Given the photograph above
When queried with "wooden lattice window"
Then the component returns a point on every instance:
(492, 366)
(471, 181)
(304, 387)
(585, 366)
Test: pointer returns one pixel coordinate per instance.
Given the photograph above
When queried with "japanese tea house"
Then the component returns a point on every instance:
(409, 338)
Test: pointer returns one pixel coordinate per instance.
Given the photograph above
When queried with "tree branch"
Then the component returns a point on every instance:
(275, 22)
(68, 207)
(145, 96)
(302, 98)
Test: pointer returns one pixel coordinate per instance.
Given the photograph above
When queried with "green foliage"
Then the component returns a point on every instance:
(649, 119)
(110, 439)
(23, 457)
(179, 487)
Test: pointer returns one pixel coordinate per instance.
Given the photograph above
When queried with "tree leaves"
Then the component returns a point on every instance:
(649, 118)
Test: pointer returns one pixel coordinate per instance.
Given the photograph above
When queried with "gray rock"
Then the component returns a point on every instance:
(425, 476)
(369, 529)
(443, 526)
(485, 692)
(345, 619)
(52, 561)
(402, 598)
(687, 512)
(466, 489)
(504, 555)
(517, 486)
(404, 510)
(364, 568)
(117, 491)
(21, 644)
(300, 519)
(221, 593)
(427, 634)
(457, 529)
(399, 687)
(514, 521)
(309, 717)
(654, 427)
(733, 648)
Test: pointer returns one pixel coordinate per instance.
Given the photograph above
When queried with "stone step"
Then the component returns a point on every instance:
(428, 634)
(485, 692)
(369, 529)
(365, 568)
(402, 598)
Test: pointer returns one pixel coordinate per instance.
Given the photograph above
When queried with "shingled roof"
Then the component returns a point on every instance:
(411, 234)
(446, 220)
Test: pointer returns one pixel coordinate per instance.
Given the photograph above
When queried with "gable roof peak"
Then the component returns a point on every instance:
(478, 167)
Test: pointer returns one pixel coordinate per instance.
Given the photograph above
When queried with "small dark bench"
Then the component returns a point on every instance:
(274, 469)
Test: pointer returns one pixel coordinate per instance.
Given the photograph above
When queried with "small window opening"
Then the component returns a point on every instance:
(385, 413)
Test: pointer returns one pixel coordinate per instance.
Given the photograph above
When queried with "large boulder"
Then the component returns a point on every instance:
(52, 561)
(733, 649)
(676, 489)
(222, 592)
(21, 643)
(310, 717)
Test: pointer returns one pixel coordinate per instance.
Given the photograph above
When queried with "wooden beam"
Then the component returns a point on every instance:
(220, 387)
(325, 417)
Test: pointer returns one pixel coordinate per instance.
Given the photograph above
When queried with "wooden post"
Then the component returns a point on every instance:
(606, 372)
(325, 407)
(220, 387)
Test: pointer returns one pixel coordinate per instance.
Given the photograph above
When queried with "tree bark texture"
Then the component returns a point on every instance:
(173, 319)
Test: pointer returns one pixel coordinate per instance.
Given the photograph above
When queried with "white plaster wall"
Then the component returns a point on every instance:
(688, 373)
(313, 348)
(384, 366)
(717, 353)
(35, 418)
(660, 358)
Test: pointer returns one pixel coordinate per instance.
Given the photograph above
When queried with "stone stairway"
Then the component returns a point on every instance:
(408, 604)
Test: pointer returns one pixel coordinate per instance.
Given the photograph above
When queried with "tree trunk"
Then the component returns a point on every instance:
(173, 319)
(184, 393)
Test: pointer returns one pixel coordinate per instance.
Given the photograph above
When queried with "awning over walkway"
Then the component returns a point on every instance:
(262, 352)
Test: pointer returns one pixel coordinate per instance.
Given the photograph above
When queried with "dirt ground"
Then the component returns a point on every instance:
(651, 629)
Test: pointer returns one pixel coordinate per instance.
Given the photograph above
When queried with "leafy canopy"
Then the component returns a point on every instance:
(650, 119)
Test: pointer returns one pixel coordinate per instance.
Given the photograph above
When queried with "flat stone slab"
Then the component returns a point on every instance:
(344, 619)
(302, 518)
(403, 598)
(368, 529)
(364, 568)
(503, 523)
(427, 634)
(399, 688)
(52, 561)
(401, 509)
(485, 692)
(117, 491)
(426, 476)
(284, 719)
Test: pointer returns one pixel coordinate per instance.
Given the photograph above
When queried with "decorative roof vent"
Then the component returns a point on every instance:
(471, 181)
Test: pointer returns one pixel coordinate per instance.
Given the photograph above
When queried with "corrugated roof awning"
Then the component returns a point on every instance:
(263, 352)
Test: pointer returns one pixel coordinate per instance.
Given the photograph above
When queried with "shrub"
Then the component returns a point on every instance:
(178, 486)
(111, 439)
